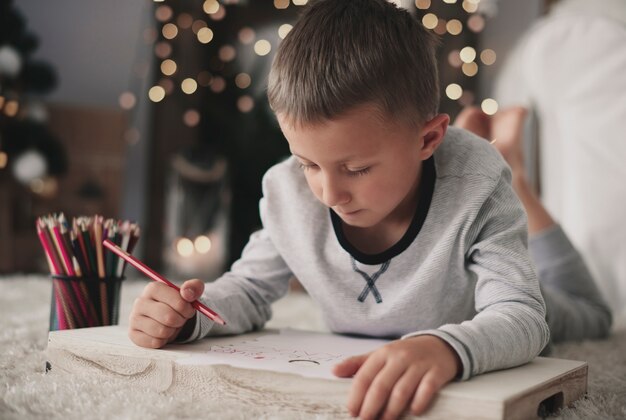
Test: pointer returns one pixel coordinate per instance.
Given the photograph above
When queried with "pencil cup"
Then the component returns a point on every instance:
(79, 302)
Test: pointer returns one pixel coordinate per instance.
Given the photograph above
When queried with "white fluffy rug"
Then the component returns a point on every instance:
(27, 392)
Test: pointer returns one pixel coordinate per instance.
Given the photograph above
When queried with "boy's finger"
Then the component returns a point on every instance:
(144, 340)
(362, 381)
(151, 327)
(158, 291)
(430, 384)
(402, 393)
(164, 314)
(192, 289)
(162, 293)
(348, 367)
(380, 389)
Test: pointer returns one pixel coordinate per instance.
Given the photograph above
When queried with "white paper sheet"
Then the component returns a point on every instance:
(305, 353)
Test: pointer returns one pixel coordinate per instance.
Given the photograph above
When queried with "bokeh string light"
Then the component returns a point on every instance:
(452, 18)
(169, 26)
(448, 18)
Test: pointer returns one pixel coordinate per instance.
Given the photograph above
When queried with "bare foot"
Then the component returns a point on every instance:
(504, 129)
(507, 128)
(473, 119)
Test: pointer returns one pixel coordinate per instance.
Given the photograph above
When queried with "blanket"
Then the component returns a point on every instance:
(27, 392)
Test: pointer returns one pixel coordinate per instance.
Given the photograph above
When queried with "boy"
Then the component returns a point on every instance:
(396, 225)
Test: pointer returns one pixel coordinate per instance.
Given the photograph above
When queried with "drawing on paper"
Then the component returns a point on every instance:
(301, 352)
(257, 350)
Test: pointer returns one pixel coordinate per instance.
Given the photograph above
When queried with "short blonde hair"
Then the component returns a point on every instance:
(345, 53)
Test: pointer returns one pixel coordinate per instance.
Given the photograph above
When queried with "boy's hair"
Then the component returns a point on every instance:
(345, 53)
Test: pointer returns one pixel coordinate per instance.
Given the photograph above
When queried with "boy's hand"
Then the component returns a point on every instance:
(160, 313)
(401, 374)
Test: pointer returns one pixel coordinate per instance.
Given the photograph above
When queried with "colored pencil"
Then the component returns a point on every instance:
(97, 229)
(47, 246)
(124, 245)
(56, 240)
(56, 269)
(87, 277)
(203, 309)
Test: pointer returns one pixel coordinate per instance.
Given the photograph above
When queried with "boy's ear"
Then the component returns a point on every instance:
(433, 133)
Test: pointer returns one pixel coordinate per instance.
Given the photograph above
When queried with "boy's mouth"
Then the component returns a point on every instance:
(347, 213)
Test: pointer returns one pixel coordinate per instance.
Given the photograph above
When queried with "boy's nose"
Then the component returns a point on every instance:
(333, 194)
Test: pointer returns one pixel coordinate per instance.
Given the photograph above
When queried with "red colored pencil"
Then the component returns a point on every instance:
(69, 267)
(56, 270)
(203, 309)
(48, 248)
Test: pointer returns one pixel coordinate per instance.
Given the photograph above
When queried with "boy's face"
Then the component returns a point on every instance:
(365, 167)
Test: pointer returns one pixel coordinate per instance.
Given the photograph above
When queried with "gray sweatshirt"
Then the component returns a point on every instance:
(461, 272)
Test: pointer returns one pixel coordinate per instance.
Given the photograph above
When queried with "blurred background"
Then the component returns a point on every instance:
(155, 112)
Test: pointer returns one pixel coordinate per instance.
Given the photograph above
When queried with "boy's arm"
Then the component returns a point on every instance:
(243, 296)
(510, 327)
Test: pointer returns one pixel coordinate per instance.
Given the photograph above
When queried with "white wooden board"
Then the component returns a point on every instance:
(528, 391)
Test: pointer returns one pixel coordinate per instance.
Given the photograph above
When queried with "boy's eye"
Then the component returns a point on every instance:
(357, 172)
(306, 166)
